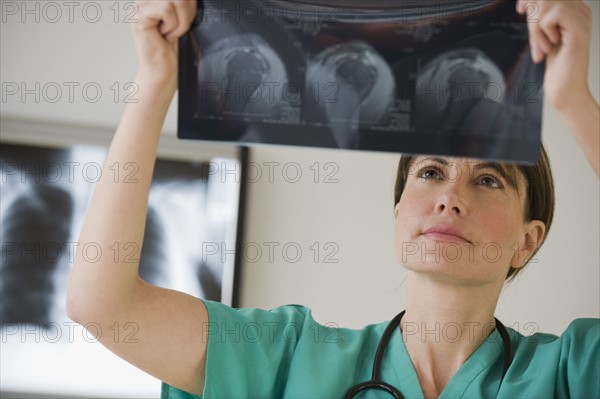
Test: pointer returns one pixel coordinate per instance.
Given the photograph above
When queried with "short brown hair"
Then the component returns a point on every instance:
(539, 186)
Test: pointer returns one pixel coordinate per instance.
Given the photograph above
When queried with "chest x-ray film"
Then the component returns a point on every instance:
(434, 76)
(189, 245)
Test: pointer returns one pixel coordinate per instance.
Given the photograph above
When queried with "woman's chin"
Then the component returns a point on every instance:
(450, 273)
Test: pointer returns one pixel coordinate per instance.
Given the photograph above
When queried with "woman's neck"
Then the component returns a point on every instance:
(443, 325)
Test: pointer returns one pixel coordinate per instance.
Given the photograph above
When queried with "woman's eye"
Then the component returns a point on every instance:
(430, 173)
(489, 181)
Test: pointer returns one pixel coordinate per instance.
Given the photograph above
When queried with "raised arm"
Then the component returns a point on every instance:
(168, 324)
(560, 33)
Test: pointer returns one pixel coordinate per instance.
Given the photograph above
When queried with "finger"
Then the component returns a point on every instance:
(530, 8)
(145, 19)
(565, 22)
(536, 53)
(186, 12)
(157, 15)
(170, 20)
(521, 7)
(540, 43)
(539, 40)
(560, 18)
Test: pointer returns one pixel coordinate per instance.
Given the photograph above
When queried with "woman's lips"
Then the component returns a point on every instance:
(445, 234)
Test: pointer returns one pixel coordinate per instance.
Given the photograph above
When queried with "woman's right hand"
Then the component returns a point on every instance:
(160, 23)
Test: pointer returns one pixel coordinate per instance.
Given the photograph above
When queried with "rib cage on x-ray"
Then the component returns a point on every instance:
(41, 216)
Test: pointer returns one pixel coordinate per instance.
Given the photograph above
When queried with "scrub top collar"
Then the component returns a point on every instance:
(397, 367)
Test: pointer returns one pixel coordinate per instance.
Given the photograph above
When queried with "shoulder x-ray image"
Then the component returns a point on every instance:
(415, 77)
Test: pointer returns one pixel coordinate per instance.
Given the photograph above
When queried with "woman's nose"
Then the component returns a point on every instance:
(451, 199)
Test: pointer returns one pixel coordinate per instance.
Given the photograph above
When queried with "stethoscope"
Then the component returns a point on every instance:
(376, 383)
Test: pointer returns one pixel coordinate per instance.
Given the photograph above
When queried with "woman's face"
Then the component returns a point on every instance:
(459, 220)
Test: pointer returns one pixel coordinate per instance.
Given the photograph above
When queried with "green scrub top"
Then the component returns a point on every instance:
(284, 352)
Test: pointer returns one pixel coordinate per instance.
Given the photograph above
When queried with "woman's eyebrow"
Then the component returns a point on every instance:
(491, 165)
(434, 159)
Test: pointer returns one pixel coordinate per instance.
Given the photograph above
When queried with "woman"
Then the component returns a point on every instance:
(442, 204)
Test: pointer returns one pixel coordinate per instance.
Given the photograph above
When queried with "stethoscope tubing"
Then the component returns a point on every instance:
(376, 383)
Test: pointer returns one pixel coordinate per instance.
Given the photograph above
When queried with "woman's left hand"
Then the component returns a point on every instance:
(559, 32)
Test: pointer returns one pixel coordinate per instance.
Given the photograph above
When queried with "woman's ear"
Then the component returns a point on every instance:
(396, 209)
(533, 235)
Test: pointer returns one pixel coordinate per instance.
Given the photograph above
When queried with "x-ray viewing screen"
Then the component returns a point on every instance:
(189, 245)
(429, 76)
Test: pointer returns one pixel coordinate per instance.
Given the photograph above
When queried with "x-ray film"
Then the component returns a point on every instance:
(422, 77)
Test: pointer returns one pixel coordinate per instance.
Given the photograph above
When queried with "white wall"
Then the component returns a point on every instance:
(355, 213)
